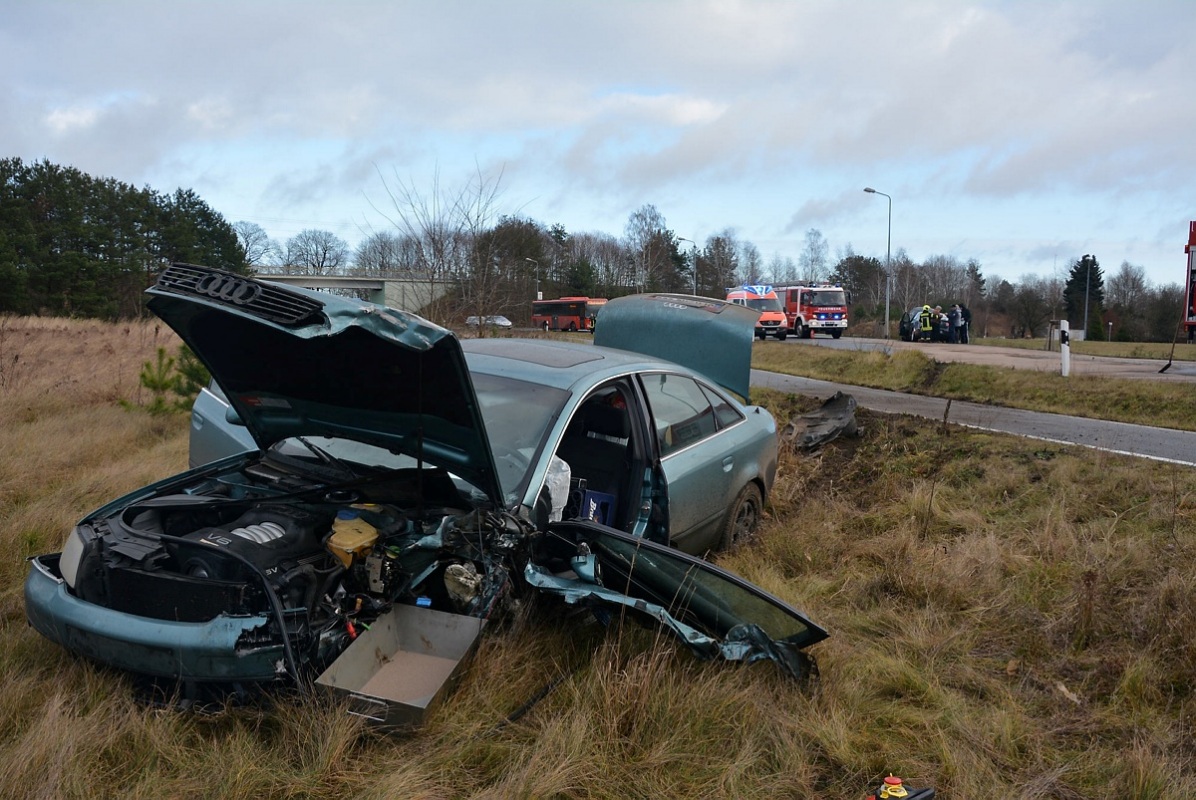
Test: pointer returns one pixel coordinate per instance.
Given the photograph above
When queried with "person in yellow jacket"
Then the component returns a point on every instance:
(926, 324)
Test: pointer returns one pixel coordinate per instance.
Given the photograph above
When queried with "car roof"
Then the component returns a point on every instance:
(559, 364)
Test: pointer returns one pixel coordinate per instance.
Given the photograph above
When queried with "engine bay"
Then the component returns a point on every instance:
(320, 562)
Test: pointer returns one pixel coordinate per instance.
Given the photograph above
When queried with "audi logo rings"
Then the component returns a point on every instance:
(225, 287)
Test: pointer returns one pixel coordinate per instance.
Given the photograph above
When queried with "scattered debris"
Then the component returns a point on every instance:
(835, 418)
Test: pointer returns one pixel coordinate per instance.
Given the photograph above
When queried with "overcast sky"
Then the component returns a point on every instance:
(1022, 134)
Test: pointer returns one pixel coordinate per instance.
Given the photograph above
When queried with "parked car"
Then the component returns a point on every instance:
(212, 436)
(391, 469)
(496, 321)
(909, 328)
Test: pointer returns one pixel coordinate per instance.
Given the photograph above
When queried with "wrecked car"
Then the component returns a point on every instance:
(396, 476)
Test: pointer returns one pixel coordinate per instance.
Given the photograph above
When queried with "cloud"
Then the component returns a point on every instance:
(1011, 125)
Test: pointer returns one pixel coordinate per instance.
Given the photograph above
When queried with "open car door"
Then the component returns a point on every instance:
(715, 613)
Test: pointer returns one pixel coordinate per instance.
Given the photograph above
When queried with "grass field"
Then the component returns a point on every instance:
(1154, 351)
(1008, 619)
(1162, 404)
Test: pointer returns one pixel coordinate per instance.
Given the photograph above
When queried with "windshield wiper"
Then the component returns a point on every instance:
(327, 458)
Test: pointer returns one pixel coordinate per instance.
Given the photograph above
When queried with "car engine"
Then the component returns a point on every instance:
(319, 564)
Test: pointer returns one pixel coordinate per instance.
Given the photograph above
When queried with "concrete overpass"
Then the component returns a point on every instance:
(404, 294)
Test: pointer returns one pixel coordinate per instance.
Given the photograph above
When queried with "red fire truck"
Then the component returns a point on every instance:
(815, 308)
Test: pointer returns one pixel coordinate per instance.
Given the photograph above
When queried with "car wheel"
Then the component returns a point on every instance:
(573, 327)
(836, 334)
(781, 336)
(807, 332)
(743, 519)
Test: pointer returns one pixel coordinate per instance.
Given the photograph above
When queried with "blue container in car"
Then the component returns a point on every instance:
(598, 506)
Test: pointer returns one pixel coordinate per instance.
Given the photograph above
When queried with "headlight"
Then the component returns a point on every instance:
(72, 553)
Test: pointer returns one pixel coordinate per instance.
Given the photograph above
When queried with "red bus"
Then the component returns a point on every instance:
(566, 313)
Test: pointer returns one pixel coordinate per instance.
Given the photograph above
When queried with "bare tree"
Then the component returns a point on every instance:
(1163, 309)
(813, 258)
(316, 252)
(1032, 306)
(1128, 287)
(751, 266)
(386, 253)
(650, 245)
(608, 258)
(1127, 297)
(776, 269)
(908, 288)
(444, 227)
(945, 278)
(260, 250)
(718, 265)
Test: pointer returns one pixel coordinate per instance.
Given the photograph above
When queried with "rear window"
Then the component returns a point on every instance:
(681, 411)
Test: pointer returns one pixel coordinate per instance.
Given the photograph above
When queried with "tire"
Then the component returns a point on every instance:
(781, 336)
(807, 332)
(743, 520)
(836, 334)
(573, 327)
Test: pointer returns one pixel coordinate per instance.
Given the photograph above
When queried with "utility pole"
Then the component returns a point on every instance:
(888, 250)
(1087, 262)
(695, 259)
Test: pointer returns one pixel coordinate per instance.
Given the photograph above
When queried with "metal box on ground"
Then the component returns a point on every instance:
(398, 670)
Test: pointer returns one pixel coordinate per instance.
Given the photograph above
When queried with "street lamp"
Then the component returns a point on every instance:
(888, 250)
(537, 263)
(695, 260)
(1087, 262)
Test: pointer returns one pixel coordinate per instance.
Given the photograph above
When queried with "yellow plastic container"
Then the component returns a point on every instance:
(351, 536)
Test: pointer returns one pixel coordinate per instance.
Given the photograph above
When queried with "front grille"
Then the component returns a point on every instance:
(262, 300)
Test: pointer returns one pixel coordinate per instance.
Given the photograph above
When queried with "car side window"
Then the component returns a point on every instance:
(681, 412)
(724, 412)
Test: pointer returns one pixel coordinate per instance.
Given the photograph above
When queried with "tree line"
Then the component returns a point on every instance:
(77, 245)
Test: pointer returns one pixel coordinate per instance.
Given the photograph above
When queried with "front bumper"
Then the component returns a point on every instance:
(203, 651)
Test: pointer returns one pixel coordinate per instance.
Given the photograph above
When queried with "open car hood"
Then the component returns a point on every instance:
(711, 337)
(296, 362)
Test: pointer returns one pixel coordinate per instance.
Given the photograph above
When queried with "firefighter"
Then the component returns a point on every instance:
(926, 322)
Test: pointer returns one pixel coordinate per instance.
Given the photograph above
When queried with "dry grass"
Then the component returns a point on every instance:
(1008, 619)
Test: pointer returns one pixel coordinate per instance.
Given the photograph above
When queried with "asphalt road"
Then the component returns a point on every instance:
(1162, 444)
(1038, 360)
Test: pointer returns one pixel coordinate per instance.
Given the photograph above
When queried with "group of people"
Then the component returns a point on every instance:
(951, 327)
